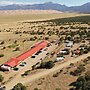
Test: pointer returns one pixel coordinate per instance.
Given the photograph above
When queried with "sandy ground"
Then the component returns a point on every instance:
(20, 12)
(30, 62)
(62, 81)
(7, 17)
(11, 21)
(44, 73)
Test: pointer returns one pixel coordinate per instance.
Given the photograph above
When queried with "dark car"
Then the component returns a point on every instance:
(32, 56)
(38, 52)
(47, 53)
(22, 65)
(41, 59)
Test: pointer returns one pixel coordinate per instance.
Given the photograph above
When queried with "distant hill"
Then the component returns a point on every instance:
(83, 8)
(48, 6)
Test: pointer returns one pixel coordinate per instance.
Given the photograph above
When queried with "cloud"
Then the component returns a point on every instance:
(4, 3)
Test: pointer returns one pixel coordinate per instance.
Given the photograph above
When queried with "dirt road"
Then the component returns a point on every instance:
(18, 79)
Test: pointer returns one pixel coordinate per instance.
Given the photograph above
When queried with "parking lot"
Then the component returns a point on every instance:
(35, 58)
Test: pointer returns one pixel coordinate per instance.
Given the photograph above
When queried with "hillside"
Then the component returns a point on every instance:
(49, 6)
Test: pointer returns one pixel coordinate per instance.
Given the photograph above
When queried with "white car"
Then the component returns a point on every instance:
(63, 51)
(60, 58)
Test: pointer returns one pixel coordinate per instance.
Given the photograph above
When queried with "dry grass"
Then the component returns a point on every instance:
(61, 81)
(7, 17)
(12, 20)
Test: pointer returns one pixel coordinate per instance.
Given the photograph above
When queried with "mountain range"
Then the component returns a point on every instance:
(85, 8)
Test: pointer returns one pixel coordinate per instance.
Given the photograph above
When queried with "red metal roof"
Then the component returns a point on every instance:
(15, 61)
(12, 62)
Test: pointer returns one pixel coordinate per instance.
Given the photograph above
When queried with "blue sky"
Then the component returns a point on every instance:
(65, 2)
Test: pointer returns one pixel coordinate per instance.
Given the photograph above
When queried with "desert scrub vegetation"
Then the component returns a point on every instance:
(19, 86)
(58, 73)
(26, 73)
(57, 89)
(12, 45)
(82, 19)
(37, 89)
(82, 82)
(17, 49)
(1, 78)
(86, 61)
(47, 65)
(1, 55)
(2, 42)
(81, 68)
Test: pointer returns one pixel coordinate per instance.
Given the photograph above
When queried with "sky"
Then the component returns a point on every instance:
(63, 2)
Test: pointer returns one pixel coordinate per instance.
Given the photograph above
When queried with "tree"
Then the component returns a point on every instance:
(61, 39)
(15, 41)
(43, 64)
(82, 82)
(1, 55)
(2, 42)
(17, 49)
(58, 89)
(1, 78)
(78, 71)
(19, 86)
(36, 89)
(87, 76)
(49, 65)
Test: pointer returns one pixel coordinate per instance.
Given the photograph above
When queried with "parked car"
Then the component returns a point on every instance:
(60, 58)
(65, 51)
(47, 53)
(45, 49)
(22, 65)
(32, 56)
(15, 69)
(37, 53)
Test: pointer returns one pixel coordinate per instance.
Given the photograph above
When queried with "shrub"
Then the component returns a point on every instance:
(43, 64)
(87, 76)
(12, 46)
(1, 55)
(1, 78)
(17, 49)
(56, 74)
(36, 89)
(47, 65)
(3, 48)
(71, 64)
(26, 73)
(2, 42)
(88, 57)
(15, 41)
(78, 71)
(58, 89)
(19, 86)
(82, 82)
